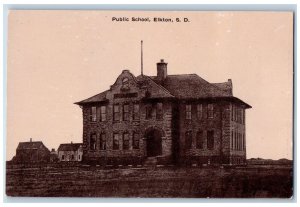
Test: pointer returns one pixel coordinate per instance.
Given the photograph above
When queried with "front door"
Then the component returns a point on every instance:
(154, 147)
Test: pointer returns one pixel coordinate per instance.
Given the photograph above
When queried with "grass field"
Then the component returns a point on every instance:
(88, 181)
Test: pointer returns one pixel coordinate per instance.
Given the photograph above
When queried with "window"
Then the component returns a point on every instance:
(103, 113)
(78, 157)
(241, 137)
(210, 111)
(236, 141)
(125, 81)
(188, 111)
(232, 112)
(136, 141)
(116, 141)
(136, 111)
(116, 112)
(232, 139)
(210, 139)
(72, 157)
(199, 111)
(239, 141)
(239, 115)
(148, 112)
(159, 111)
(244, 142)
(243, 116)
(126, 141)
(93, 141)
(199, 140)
(63, 157)
(103, 141)
(125, 84)
(93, 114)
(188, 139)
(125, 112)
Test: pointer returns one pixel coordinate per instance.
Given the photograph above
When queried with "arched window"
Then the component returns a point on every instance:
(125, 81)
(125, 84)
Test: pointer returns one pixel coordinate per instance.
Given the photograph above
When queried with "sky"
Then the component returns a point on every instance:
(56, 58)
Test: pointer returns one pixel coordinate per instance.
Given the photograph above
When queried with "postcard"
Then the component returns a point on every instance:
(151, 104)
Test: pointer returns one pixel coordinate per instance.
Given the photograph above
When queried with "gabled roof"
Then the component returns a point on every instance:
(192, 86)
(155, 90)
(31, 145)
(69, 147)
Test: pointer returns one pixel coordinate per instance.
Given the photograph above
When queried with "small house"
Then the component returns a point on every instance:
(31, 152)
(70, 152)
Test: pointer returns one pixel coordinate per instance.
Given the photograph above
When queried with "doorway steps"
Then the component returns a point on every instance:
(150, 161)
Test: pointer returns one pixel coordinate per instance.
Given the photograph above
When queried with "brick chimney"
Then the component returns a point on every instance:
(162, 70)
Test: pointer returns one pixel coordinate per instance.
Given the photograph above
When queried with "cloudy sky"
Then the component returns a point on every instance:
(56, 58)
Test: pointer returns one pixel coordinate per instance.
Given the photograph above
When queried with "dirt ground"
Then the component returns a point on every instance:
(165, 182)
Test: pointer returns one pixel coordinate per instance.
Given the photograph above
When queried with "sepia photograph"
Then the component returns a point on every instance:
(150, 104)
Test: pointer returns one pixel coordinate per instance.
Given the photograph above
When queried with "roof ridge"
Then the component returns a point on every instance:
(221, 82)
(70, 143)
(212, 84)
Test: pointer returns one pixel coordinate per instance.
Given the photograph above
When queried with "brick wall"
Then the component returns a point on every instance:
(130, 126)
(219, 124)
(237, 154)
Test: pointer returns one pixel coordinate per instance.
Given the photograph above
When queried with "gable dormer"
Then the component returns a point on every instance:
(125, 83)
